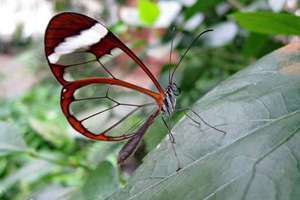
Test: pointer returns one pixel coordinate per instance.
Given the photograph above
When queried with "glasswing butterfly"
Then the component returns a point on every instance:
(97, 101)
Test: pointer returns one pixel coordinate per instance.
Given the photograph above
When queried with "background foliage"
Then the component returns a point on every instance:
(41, 157)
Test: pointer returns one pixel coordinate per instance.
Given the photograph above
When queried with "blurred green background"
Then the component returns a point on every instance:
(40, 154)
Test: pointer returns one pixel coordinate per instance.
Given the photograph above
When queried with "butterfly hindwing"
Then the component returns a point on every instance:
(106, 109)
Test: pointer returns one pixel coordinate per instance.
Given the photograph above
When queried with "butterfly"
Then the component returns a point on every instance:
(74, 40)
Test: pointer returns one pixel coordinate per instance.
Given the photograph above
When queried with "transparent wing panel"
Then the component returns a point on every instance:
(81, 64)
(110, 109)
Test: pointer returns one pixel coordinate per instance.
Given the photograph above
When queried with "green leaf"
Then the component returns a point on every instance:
(49, 131)
(28, 173)
(148, 11)
(158, 132)
(258, 158)
(269, 23)
(11, 139)
(101, 182)
(254, 44)
(53, 192)
(107, 149)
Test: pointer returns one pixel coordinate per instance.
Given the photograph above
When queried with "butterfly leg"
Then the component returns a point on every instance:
(186, 110)
(172, 140)
(171, 137)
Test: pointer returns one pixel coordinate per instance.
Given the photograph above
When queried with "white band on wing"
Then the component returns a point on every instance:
(85, 39)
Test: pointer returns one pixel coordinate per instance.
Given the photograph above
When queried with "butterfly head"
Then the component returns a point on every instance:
(174, 89)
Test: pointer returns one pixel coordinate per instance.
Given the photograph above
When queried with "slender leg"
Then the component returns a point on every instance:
(201, 119)
(171, 137)
(172, 140)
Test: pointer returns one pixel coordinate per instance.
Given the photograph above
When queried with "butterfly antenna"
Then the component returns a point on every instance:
(171, 49)
(187, 50)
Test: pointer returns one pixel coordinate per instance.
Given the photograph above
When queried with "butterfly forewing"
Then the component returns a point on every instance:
(79, 47)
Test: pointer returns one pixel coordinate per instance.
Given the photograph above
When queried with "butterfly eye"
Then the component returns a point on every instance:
(176, 90)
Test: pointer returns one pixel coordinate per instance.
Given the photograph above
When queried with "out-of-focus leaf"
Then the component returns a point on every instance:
(30, 172)
(254, 44)
(11, 139)
(101, 183)
(257, 45)
(53, 192)
(100, 151)
(258, 158)
(148, 11)
(269, 23)
(49, 132)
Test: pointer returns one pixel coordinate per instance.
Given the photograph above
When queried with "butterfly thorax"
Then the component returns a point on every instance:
(169, 101)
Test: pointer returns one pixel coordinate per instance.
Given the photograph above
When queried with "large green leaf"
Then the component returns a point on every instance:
(269, 23)
(258, 158)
